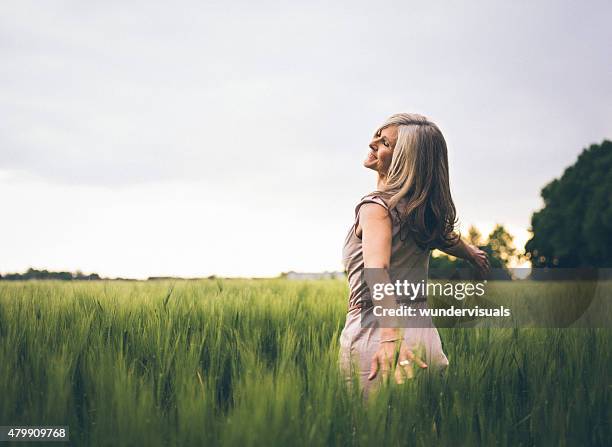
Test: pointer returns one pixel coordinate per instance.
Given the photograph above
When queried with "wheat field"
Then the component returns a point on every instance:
(255, 362)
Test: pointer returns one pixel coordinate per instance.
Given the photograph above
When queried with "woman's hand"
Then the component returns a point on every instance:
(478, 258)
(384, 361)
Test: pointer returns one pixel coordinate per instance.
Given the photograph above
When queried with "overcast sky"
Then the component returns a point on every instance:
(198, 138)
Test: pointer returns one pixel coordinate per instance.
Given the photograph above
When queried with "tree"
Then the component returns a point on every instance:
(474, 236)
(574, 228)
(499, 246)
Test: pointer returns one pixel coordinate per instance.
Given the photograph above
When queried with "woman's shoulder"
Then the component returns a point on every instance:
(373, 197)
(383, 200)
(376, 197)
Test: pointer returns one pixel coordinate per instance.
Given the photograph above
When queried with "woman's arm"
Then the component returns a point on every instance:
(471, 253)
(376, 245)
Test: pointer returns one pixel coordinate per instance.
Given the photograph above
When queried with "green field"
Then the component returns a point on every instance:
(254, 362)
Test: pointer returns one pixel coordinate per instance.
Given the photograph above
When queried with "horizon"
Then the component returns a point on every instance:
(513, 264)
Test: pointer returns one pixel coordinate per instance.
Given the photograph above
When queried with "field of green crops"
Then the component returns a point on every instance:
(254, 362)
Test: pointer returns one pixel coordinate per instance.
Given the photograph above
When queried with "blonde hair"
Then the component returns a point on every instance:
(419, 172)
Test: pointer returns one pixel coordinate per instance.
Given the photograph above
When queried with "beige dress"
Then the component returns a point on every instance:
(359, 340)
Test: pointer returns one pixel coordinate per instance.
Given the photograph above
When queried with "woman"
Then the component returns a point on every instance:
(396, 227)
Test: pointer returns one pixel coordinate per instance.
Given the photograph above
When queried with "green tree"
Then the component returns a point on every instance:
(474, 236)
(574, 228)
(500, 247)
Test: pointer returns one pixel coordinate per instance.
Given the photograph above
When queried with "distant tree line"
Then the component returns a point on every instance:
(45, 274)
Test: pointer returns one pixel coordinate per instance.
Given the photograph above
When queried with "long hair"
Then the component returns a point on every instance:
(419, 173)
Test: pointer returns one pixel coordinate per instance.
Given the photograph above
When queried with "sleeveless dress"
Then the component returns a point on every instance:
(359, 342)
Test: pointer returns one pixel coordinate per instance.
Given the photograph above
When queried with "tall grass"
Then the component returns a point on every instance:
(241, 362)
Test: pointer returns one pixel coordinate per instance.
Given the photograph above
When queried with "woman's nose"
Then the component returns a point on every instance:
(373, 146)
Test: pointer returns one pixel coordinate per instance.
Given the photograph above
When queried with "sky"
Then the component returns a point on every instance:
(195, 138)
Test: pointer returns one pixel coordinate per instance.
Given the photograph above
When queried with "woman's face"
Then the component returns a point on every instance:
(381, 150)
